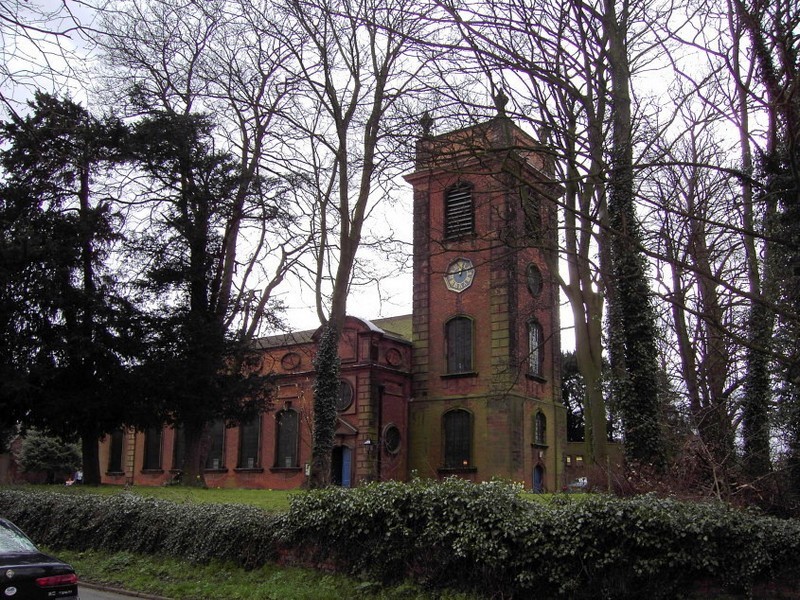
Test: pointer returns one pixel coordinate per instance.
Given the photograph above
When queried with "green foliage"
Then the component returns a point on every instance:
(478, 538)
(268, 500)
(192, 373)
(240, 534)
(484, 537)
(174, 578)
(67, 332)
(326, 391)
(40, 452)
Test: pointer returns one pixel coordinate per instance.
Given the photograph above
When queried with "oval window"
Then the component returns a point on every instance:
(391, 439)
(345, 396)
(534, 279)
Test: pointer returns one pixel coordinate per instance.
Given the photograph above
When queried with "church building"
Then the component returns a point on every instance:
(468, 385)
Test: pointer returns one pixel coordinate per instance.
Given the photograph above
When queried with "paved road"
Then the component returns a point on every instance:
(88, 593)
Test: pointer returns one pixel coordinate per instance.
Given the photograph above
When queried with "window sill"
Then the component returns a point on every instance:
(456, 470)
(249, 470)
(115, 473)
(537, 378)
(461, 236)
(459, 375)
(539, 445)
(217, 470)
(285, 469)
(152, 471)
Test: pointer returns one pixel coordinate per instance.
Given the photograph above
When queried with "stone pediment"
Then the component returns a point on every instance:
(343, 428)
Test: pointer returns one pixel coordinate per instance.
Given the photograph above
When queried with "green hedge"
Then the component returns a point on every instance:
(199, 532)
(486, 538)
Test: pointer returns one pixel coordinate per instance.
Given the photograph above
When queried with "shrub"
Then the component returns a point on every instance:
(484, 538)
(198, 532)
(48, 454)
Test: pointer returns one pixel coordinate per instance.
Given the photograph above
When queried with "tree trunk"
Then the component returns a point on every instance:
(194, 461)
(632, 350)
(90, 455)
(326, 391)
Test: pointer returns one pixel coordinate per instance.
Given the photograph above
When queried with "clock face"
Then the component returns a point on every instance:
(460, 275)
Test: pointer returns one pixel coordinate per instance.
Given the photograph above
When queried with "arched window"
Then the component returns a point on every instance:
(215, 459)
(458, 339)
(115, 451)
(459, 212)
(249, 444)
(535, 349)
(457, 425)
(540, 429)
(152, 448)
(178, 447)
(286, 431)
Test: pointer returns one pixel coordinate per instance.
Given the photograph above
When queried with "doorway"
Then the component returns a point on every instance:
(538, 479)
(341, 462)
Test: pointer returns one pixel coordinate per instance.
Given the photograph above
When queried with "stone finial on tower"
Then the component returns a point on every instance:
(427, 124)
(500, 101)
(544, 134)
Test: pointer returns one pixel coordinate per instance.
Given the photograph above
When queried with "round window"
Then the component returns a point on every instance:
(345, 396)
(391, 439)
(534, 279)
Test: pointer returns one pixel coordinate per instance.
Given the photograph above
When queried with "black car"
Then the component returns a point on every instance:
(27, 574)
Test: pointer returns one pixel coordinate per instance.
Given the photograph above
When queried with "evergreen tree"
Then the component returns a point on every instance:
(67, 334)
(53, 455)
(194, 371)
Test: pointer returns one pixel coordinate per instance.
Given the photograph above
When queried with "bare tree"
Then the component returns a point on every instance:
(355, 76)
(697, 221)
(43, 46)
(175, 62)
(570, 66)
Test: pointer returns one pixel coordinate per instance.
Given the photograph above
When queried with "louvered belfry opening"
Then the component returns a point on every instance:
(459, 211)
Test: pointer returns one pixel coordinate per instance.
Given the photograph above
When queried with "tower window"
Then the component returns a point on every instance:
(459, 212)
(540, 429)
(533, 278)
(458, 337)
(457, 439)
(535, 349)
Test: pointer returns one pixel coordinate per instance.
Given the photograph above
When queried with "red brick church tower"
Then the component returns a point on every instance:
(486, 363)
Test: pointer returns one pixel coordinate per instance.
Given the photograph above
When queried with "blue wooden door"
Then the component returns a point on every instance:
(538, 479)
(346, 462)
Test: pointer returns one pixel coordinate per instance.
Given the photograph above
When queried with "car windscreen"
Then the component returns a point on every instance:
(12, 542)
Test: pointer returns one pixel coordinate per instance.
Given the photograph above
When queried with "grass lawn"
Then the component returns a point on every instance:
(269, 500)
(180, 580)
